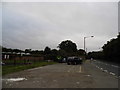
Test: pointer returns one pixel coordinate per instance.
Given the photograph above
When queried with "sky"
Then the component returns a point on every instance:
(36, 25)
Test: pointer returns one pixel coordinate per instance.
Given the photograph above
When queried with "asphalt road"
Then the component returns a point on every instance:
(61, 76)
(107, 67)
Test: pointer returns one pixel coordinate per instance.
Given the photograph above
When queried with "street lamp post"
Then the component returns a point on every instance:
(85, 43)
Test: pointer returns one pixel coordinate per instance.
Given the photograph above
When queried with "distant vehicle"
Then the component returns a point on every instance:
(62, 60)
(74, 60)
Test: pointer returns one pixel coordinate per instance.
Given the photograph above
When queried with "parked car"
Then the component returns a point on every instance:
(63, 60)
(74, 60)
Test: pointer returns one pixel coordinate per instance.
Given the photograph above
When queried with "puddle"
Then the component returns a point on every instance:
(14, 79)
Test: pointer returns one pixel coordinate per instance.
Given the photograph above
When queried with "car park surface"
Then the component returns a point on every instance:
(61, 75)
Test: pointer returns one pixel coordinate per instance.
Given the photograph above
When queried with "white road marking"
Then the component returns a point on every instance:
(14, 79)
(80, 69)
(34, 68)
(88, 75)
(105, 71)
(115, 66)
(101, 68)
(112, 73)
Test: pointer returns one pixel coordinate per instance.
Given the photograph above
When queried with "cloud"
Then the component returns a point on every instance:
(36, 25)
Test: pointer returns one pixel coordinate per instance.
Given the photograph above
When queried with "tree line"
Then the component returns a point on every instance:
(65, 48)
(110, 52)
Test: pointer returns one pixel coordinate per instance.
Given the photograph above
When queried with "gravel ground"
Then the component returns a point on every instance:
(61, 76)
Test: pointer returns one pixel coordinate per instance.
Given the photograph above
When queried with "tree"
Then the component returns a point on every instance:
(111, 50)
(4, 49)
(96, 55)
(27, 50)
(68, 46)
(54, 54)
(47, 53)
(37, 53)
(17, 50)
(47, 50)
(81, 52)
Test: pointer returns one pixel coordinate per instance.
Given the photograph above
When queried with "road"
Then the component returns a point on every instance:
(61, 76)
(107, 67)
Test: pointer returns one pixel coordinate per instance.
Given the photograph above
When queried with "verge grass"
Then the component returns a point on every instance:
(7, 69)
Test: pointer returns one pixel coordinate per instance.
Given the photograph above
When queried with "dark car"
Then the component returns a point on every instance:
(63, 60)
(74, 60)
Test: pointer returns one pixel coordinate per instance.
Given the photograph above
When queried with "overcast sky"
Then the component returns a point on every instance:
(37, 25)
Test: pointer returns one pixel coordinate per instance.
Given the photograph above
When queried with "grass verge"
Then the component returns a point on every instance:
(7, 69)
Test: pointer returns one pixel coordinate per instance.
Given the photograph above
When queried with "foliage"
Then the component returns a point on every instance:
(96, 55)
(54, 54)
(28, 50)
(47, 50)
(37, 53)
(81, 52)
(68, 46)
(47, 53)
(111, 50)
